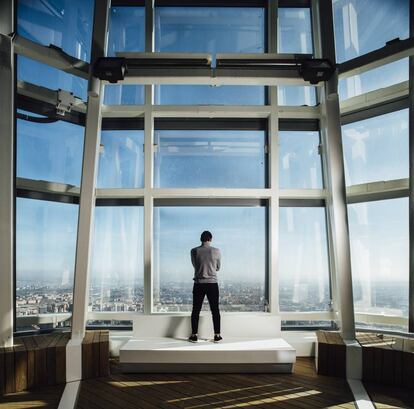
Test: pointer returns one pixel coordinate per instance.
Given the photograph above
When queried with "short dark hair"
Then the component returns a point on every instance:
(206, 236)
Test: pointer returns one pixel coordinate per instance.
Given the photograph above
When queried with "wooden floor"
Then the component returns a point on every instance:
(303, 389)
(390, 396)
(46, 397)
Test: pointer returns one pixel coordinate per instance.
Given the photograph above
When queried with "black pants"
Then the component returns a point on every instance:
(199, 292)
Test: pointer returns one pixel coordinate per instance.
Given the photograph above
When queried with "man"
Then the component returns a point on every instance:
(206, 262)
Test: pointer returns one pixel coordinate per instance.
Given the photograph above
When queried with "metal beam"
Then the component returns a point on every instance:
(87, 192)
(368, 192)
(383, 100)
(7, 167)
(46, 95)
(334, 176)
(389, 53)
(53, 56)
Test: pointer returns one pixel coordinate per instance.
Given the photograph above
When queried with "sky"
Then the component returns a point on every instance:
(374, 149)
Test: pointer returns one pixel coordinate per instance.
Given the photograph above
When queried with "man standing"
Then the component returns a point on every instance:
(206, 262)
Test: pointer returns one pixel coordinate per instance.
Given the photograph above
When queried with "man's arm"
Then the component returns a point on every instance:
(193, 257)
(218, 265)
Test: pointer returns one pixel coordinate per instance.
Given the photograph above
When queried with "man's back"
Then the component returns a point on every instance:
(206, 261)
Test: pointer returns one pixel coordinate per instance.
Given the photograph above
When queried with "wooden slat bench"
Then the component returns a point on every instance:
(40, 360)
(387, 359)
(331, 354)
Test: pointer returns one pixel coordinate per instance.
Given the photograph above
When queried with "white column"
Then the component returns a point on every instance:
(89, 166)
(334, 173)
(273, 160)
(411, 179)
(7, 81)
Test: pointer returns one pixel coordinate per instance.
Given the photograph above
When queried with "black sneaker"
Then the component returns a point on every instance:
(193, 338)
(217, 338)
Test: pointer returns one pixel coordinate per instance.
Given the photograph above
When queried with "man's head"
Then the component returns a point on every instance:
(206, 236)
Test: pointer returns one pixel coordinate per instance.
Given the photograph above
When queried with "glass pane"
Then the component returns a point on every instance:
(379, 254)
(126, 33)
(240, 234)
(376, 149)
(194, 159)
(49, 151)
(300, 163)
(296, 95)
(121, 159)
(372, 80)
(207, 95)
(366, 25)
(63, 23)
(210, 30)
(45, 260)
(45, 76)
(117, 279)
(294, 31)
(303, 260)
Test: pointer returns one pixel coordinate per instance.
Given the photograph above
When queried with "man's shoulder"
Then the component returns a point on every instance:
(215, 249)
(195, 249)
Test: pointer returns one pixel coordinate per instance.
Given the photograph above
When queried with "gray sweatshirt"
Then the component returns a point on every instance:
(206, 261)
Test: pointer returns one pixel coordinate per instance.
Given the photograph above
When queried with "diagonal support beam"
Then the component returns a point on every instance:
(87, 192)
(6, 173)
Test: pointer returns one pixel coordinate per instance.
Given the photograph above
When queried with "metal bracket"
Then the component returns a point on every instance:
(65, 102)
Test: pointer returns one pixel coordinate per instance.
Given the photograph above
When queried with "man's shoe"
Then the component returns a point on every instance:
(193, 338)
(217, 338)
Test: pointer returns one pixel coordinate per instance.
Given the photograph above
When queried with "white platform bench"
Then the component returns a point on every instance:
(251, 343)
(238, 355)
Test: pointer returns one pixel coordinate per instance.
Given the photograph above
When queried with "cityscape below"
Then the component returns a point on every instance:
(35, 297)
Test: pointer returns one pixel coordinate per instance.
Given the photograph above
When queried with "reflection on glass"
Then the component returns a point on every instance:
(240, 234)
(379, 254)
(207, 95)
(376, 149)
(121, 159)
(303, 260)
(294, 31)
(118, 259)
(210, 30)
(65, 24)
(192, 159)
(365, 25)
(380, 77)
(43, 75)
(300, 162)
(126, 33)
(293, 95)
(45, 259)
(49, 151)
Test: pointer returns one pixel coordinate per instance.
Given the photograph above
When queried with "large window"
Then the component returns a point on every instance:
(240, 234)
(379, 249)
(118, 259)
(376, 149)
(303, 260)
(294, 35)
(50, 151)
(63, 23)
(126, 33)
(195, 159)
(121, 159)
(210, 30)
(45, 259)
(299, 160)
(362, 26)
